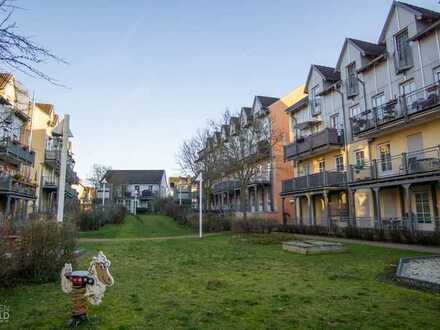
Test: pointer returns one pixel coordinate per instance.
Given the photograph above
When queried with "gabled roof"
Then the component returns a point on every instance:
(134, 176)
(266, 101)
(421, 13)
(366, 49)
(327, 73)
(247, 110)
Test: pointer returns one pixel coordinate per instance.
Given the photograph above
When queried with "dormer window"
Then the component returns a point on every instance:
(352, 80)
(403, 59)
(315, 105)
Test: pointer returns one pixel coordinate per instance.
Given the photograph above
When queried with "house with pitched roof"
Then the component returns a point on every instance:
(133, 189)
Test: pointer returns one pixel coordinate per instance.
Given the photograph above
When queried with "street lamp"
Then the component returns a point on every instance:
(104, 182)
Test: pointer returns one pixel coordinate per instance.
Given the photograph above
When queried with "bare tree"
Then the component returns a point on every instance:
(18, 51)
(98, 172)
(245, 143)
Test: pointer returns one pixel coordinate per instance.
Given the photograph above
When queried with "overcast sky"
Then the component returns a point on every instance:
(143, 75)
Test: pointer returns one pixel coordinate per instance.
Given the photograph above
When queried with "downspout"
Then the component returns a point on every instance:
(348, 175)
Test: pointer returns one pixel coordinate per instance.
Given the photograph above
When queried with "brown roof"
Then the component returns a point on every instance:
(134, 176)
(329, 73)
(369, 48)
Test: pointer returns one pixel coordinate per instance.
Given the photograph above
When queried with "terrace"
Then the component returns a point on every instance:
(417, 106)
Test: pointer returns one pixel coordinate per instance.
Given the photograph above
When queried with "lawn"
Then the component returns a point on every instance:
(227, 282)
(138, 227)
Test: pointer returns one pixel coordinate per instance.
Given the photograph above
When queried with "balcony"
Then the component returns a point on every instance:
(416, 107)
(226, 186)
(10, 186)
(16, 153)
(52, 158)
(419, 163)
(323, 141)
(316, 181)
(49, 183)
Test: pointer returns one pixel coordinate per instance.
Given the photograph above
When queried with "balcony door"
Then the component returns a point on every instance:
(414, 145)
(385, 161)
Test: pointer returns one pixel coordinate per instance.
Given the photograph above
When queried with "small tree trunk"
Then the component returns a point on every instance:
(244, 197)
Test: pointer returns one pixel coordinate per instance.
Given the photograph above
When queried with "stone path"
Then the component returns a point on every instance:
(399, 246)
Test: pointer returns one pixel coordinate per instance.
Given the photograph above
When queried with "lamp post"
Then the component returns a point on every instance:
(104, 182)
(200, 205)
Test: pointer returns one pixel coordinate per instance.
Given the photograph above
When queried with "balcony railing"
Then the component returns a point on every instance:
(52, 158)
(16, 152)
(418, 162)
(405, 106)
(49, 182)
(326, 137)
(10, 186)
(313, 181)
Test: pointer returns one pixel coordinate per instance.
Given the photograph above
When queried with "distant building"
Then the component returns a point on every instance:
(180, 189)
(86, 195)
(134, 189)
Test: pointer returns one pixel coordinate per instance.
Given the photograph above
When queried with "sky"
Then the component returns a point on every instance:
(144, 75)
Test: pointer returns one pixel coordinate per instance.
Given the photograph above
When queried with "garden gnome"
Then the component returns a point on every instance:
(86, 286)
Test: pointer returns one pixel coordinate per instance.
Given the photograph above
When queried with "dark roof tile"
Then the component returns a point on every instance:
(134, 176)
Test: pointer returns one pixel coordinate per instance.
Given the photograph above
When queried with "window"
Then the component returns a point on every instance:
(339, 160)
(386, 164)
(315, 101)
(360, 159)
(136, 188)
(321, 165)
(423, 210)
(334, 121)
(378, 102)
(403, 56)
(352, 82)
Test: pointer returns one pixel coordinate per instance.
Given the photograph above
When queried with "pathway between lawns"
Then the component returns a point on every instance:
(160, 238)
(399, 246)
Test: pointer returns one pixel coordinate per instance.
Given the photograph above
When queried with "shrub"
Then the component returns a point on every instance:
(98, 217)
(254, 225)
(373, 234)
(38, 253)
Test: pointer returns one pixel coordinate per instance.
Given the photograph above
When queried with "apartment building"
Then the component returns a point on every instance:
(17, 184)
(47, 146)
(366, 138)
(133, 189)
(265, 186)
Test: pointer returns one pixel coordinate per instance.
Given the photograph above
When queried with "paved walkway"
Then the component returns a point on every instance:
(164, 238)
(399, 246)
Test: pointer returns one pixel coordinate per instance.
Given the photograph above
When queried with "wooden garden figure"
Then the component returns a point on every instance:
(86, 286)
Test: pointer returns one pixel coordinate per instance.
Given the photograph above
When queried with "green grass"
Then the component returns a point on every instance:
(138, 227)
(228, 282)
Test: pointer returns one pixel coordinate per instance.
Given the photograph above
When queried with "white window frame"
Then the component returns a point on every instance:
(423, 207)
